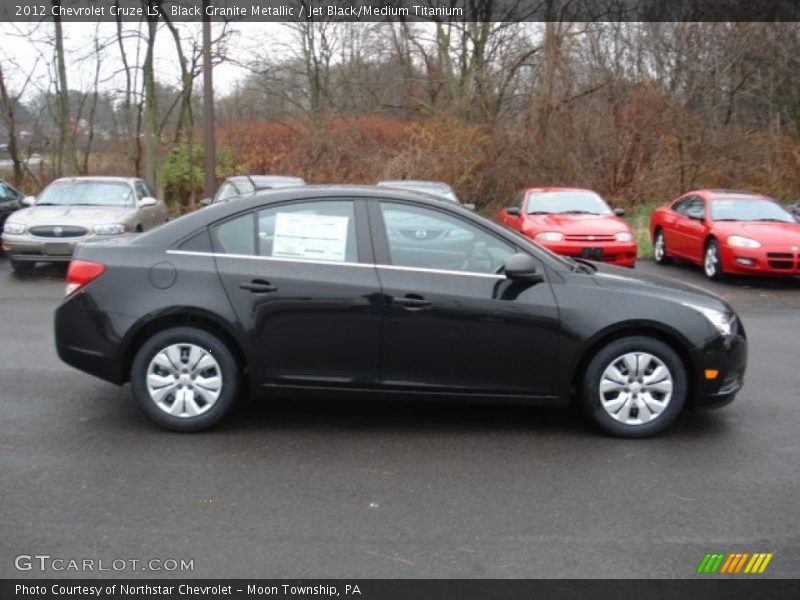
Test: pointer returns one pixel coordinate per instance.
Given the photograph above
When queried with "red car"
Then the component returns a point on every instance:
(727, 232)
(572, 222)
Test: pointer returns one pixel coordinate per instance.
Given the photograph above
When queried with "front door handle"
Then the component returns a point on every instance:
(258, 286)
(411, 301)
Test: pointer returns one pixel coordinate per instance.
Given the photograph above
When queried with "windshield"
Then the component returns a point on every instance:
(566, 202)
(749, 209)
(87, 193)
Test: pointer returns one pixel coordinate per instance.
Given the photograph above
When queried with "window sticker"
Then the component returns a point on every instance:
(319, 237)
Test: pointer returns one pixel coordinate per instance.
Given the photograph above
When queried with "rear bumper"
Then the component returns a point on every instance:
(622, 254)
(728, 358)
(90, 340)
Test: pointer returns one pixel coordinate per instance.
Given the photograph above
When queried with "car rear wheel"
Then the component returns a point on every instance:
(660, 249)
(634, 387)
(22, 266)
(184, 379)
(712, 263)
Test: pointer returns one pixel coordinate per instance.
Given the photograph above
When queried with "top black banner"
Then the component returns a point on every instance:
(402, 10)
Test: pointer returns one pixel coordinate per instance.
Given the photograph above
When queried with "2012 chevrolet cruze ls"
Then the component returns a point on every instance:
(367, 289)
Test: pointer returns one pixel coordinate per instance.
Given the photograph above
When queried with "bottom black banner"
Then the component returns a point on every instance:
(414, 589)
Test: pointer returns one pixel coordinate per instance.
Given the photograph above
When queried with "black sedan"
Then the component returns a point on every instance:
(367, 289)
(10, 201)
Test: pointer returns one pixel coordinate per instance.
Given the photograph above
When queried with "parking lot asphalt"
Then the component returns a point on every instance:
(311, 488)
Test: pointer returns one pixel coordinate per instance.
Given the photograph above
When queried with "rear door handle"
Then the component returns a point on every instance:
(411, 301)
(258, 286)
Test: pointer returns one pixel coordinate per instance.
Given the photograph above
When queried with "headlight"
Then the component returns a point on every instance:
(549, 236)
(722, 321)
(109, 229)
(624, 236)
(14, 228)
(737, 241)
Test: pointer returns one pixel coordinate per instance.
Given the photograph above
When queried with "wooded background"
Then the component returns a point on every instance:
(639, 112)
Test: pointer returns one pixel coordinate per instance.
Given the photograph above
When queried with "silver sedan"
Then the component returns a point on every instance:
(74, 209)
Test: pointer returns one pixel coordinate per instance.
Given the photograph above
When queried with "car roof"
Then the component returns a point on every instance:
(98, 178)
(550, 188)
(266, 178)
(713, 194)
(413, 182)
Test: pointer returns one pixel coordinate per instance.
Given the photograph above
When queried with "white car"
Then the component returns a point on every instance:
(74, 209)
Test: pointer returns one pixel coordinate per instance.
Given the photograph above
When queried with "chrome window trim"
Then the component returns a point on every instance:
(272, 258)
(338, 263)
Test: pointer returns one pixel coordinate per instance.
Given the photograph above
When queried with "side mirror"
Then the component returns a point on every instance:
(469, 206)
(619, 212)
(521, 267)
(205, 202)
(512, 211)
(28, 200)
(147, 201)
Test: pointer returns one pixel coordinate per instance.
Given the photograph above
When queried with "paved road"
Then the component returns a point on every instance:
(306, 488)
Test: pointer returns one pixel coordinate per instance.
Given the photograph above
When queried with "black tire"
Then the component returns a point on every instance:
(22, 266)
(607, 356)
(660, 255)
(713, 271)
(229, 370)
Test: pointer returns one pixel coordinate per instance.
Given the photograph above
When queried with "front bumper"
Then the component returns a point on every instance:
(622, 254)
(727, 357)
(773, 261)
(34, 249)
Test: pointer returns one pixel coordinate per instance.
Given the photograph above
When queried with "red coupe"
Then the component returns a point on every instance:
(727, 232)
(572, 222)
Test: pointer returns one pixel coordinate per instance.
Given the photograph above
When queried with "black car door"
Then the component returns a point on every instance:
(453, 322)
(301, 278)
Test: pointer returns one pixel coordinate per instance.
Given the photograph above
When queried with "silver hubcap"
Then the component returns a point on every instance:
(658, 249)
(711, 261)
(184, 380)
(636, 388)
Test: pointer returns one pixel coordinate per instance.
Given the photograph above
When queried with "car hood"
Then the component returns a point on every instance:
(619, 278)
(577, 224)
(764, 232)
(70, 215)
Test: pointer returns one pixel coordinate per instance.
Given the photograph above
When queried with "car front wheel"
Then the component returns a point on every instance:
(634, 387)
(184, 379)
(712, 262)
(660, 249)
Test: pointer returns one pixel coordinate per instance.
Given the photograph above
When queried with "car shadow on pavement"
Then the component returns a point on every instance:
(42, 271)
(690, 272)
(307, 415)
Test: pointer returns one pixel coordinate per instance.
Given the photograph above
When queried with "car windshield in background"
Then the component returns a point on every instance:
(566, 203)
(750, 209)
(87, 193)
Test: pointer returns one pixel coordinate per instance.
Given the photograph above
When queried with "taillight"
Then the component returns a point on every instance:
(80, 273)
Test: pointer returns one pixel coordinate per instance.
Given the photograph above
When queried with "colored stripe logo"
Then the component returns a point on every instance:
(734, 563)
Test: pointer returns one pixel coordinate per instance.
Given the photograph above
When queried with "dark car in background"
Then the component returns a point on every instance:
(327, 288)
(440, 189)
(10, 201)
(240, 185)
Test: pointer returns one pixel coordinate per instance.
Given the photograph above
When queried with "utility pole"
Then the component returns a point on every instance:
(209, 149)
